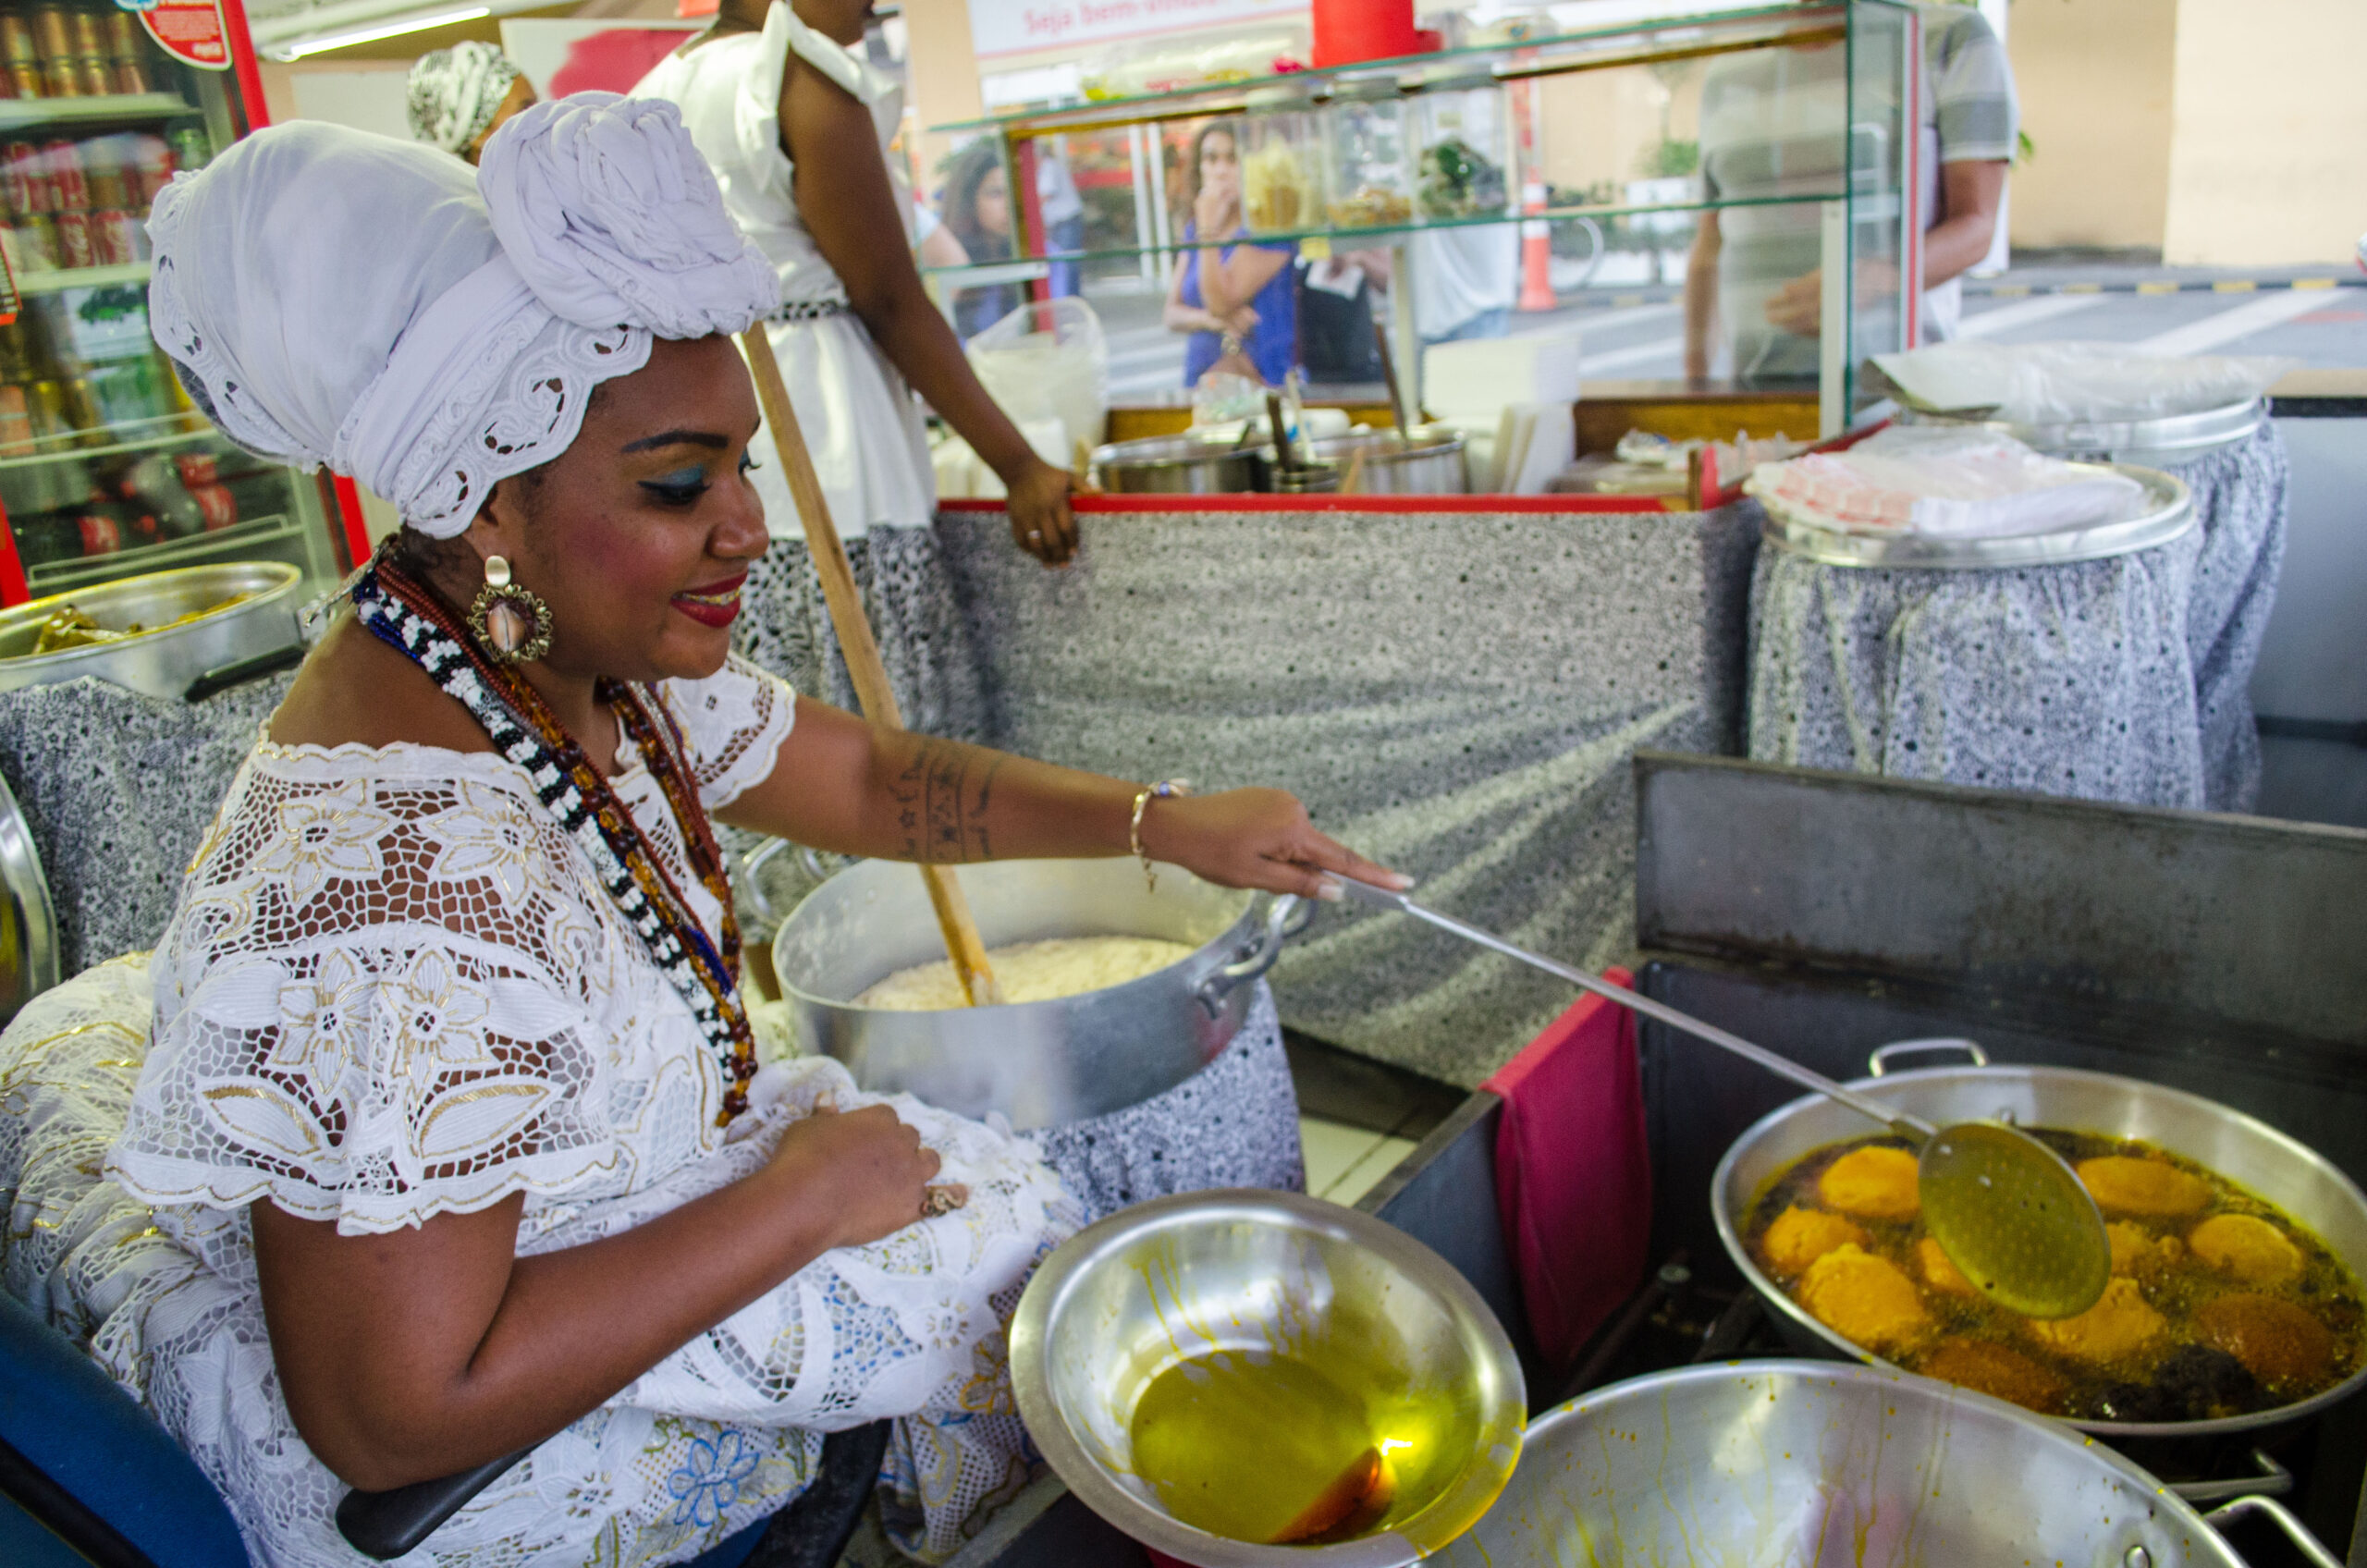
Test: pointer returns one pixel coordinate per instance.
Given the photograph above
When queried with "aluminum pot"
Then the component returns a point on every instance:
(160, 663)
(1129, 1297)
(1179, 465)
(2246, 1152)
(2152, 443)
(1430, 463)
(1793, 1463)
(1039, 1064)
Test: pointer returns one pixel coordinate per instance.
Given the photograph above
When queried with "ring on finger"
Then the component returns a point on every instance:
(937, 1202)
(1035, 536)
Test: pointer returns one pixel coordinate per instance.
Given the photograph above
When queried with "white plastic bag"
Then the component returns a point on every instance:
(2075, 383)
(1947, 484)
(1048, 359)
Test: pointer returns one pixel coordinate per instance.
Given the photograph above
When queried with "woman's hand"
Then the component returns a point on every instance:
(1255, 839)
(1040, 519)
(869, 1167)
(1216, 212)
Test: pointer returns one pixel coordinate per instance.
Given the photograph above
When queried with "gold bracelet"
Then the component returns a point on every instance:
(1164, 790)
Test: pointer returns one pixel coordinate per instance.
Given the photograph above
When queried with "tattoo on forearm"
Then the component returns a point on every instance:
(942, 798)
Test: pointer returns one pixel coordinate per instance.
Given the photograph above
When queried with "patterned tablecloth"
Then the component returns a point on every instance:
(2119, 680)
(1457, 695)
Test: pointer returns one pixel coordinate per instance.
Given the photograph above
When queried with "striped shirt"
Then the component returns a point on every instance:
(1771, 124)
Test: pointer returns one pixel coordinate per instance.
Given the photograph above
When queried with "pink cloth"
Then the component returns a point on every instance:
(1573, 1179)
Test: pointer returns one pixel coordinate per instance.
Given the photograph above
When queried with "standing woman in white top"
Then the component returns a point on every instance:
(796, 124)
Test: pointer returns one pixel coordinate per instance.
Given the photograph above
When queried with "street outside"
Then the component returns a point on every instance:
(2315, 314)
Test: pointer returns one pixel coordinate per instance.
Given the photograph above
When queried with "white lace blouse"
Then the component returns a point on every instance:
(394, 990)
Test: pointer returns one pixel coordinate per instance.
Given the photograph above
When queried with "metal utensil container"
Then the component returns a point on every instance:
(1123, 1300)
(2151, 443)
(2168, 513)
(1789, 1461)
(162, 662)
(2249, 1153)
(1428, 463)
(1039, 1064)
(1181, 465)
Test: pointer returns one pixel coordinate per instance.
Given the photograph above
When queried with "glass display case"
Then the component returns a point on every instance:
(1762, 154)
(106, 469)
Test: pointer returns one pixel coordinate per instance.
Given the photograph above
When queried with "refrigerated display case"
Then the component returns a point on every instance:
(106, 469)
(1797, 119)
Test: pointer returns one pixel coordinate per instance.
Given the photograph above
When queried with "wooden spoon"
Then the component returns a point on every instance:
(856, 643)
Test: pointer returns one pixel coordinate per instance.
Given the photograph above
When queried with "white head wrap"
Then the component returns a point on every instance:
(334, 296)
(454, 93)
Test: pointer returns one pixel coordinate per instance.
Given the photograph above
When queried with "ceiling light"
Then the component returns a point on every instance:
(396, 29)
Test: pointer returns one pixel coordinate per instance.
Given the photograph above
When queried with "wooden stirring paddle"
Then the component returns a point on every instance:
(856, 643)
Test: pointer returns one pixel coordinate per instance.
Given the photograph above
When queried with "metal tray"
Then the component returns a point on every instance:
(2170, 515)
(2178, 438)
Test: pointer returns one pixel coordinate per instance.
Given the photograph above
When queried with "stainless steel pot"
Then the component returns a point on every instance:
(1428, 463)
(160, 663)
(2248, 1151)
(1793, 1463)
(1179, 465)
(1039, 1064)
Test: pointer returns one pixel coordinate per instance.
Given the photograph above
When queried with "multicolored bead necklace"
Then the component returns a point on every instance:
(402, 613)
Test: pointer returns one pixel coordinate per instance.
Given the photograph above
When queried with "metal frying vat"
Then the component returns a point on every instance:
(1793, 1463)
(1429, 463)
(1039, 1064)
(1181, 465)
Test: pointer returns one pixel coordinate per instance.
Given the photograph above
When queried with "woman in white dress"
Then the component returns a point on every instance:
(434, 1129)
(796, 124)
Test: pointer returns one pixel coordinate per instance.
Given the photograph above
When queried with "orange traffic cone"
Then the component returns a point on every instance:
(1535, 252)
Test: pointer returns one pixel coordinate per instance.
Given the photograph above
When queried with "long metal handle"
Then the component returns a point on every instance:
(1365, 892)
(2281, 1517)
(1286, 918)
(2270, 1479)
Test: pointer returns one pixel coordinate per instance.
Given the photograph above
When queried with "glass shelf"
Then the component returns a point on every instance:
(1596, 49)
(123, 108)
(58, 281)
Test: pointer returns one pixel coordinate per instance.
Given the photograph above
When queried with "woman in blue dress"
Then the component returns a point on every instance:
(1235, 300)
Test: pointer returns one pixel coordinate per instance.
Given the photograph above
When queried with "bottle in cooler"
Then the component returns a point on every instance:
(191, 152)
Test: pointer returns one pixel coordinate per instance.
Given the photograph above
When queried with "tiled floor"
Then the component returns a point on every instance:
(1343, 1162)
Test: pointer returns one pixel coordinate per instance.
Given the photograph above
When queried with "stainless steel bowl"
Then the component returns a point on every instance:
(1795, 1463)
(1039, 1064)
(1121, 1301)
(2246, 1152)
(163, 662)
(1428, 463)
(1179, 465)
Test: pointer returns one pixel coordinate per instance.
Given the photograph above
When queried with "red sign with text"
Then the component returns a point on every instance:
(191, 30)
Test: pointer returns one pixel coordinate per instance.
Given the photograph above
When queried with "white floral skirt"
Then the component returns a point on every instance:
(720, 1434)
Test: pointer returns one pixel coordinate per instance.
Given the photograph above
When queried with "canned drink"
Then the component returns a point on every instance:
(60, 79)
(52, 33)
(46, 404)
(17, 46)
(16, 423)
(114, 236)
(36, 240)
(132, 76)
(90, 33)
(95, 74)
(99, 534)
(26, 173)
(103, 161)
(152, 165)
(27, 78)
(75, 248)
(64, 161)
(218, 506)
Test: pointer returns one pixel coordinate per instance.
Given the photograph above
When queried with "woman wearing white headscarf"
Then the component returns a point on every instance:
(434, 1128)
(460, 96)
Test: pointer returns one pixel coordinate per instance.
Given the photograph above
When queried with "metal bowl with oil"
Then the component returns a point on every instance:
(237, 609)
(1257, 1277)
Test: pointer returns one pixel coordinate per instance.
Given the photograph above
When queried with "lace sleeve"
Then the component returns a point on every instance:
(733, 723)
(384, 997)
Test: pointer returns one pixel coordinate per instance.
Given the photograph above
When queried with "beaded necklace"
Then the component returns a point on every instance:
(404, 614)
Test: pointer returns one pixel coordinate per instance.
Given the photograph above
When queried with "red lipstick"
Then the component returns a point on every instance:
(718, 605)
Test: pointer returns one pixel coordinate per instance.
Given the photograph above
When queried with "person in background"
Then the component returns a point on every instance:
(978, 212)
(933, 241)
(1464, 280)
(795, 120)
(459, 96)
(1239, 300)
(1335, 324)
(1062, 210)
(1754, 270)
